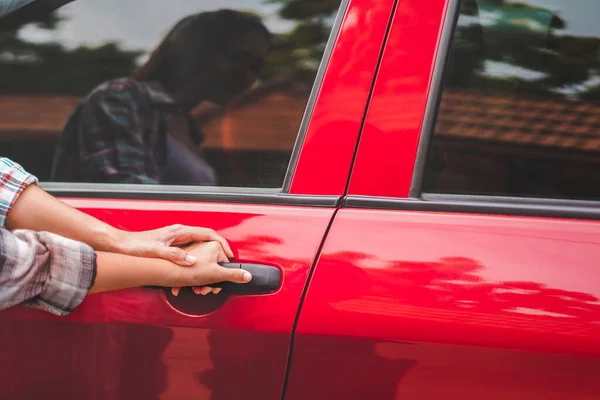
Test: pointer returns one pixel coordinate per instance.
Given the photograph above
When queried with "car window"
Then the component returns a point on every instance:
(520, 104)
(147, 92)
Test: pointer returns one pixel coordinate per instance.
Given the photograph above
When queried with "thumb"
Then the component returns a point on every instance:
(235, 275)
(175, 255)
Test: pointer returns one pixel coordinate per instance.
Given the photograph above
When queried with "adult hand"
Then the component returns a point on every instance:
(167, 242)
(206, 269)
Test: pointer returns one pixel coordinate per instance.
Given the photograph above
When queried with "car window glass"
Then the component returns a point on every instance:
(520, 106)
(146, 91)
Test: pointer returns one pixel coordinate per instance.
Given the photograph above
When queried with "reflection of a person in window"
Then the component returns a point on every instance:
(119, 132)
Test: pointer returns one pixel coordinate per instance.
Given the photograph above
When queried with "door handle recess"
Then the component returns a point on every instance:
(265, 279)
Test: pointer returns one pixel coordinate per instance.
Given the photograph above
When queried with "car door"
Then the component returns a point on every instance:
(145, 343)
(469, 238)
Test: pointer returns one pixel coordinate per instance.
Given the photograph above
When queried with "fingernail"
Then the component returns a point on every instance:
(196, 290)
(190, 259)
(247, 276)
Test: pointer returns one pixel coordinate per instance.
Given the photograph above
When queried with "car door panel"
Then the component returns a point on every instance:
(132, 344)
(448, 305)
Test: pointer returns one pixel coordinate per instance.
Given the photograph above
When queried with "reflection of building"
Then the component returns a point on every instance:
(29, 129)
(266, 119)
(519, 144)
(249, 144)
(254, 137)
(33, 118)
(516, 121)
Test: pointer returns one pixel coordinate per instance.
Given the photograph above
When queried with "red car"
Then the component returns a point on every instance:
(436, 226)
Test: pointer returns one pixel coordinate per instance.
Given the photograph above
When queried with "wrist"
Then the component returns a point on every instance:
(109, 239)
(167, 274)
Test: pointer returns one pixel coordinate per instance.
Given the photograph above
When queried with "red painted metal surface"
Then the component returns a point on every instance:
(388, 144)
(131, 344)
(134, 345)
(335, 123)
(452, 306)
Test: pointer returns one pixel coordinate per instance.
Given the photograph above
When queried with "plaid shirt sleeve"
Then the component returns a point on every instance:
(115, 146)
(39, 269)
(44, 270)
(13, 180)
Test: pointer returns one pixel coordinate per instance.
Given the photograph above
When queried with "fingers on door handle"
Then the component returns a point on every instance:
(265, 279)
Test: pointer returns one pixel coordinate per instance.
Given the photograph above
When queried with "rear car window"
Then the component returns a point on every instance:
(520, 105)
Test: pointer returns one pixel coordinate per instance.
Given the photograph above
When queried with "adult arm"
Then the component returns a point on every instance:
(32, 208)
(39, 211)
(47, 271)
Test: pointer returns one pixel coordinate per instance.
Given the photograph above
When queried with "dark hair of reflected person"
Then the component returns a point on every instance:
(196, 41)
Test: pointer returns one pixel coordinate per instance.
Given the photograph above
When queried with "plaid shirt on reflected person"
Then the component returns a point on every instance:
(39, 269)
(118, 134)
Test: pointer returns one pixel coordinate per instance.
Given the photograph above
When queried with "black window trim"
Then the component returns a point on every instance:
(204, 194)
(250, 195)
(491, 205)
(484, 204)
